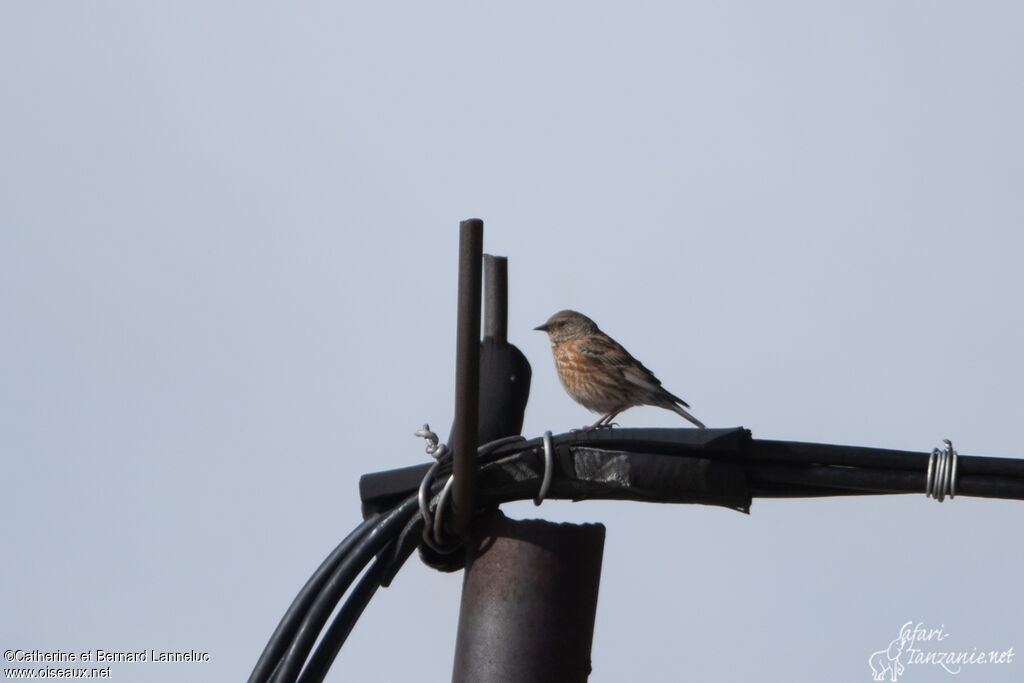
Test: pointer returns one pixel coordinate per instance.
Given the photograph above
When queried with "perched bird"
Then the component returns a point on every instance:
(601, 375)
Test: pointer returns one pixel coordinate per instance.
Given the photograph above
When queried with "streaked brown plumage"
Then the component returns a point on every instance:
(600, 375)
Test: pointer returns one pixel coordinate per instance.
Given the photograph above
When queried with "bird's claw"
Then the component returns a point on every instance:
(596, 427)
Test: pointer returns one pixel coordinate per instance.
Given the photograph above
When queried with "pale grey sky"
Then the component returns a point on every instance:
(227, 284)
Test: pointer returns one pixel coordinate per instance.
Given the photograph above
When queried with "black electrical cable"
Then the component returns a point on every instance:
(269, 666)
(794, 452)
(837, 477)
(846, 480)
(326, 651)
(289, 624)
(334, 588)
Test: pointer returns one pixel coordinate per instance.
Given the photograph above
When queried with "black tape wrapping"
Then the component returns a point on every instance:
(588, 473)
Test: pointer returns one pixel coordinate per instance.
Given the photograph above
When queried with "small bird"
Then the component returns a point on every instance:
(602, 376)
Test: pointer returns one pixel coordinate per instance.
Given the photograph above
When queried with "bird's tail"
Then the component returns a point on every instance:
(675, 407)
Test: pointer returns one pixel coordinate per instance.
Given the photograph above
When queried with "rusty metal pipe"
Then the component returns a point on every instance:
(496, 297)
(529, 599)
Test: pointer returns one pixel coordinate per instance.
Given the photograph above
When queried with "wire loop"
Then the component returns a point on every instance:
(549, 466)
(940, 480)
(424, 494)
(442, 500)
(433, 523)
(433, 449)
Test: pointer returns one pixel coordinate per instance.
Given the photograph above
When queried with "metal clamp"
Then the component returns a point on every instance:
(940, 480)
(549, 467)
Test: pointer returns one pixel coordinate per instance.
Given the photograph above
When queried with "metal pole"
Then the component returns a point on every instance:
(496, 297)
(467, 373)
(528, 601)
(530, 593)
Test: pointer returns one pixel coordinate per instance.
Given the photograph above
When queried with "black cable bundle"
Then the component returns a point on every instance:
(289, 647)
(723, 467)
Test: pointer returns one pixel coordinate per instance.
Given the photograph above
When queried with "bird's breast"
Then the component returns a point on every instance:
(584, 381)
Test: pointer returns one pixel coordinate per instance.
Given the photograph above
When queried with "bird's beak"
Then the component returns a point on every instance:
(542, 328)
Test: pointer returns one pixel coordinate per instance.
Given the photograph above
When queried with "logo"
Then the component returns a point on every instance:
(918, 645)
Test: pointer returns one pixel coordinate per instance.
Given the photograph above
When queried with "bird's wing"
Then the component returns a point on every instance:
(605, 351)
(608, 353)
(602, 349)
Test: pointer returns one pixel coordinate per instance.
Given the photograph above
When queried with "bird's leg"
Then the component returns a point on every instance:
(611, 416)
(597, 425)
(605, 422)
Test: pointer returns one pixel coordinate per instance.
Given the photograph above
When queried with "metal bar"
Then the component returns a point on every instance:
(467, 373)
(496, 297)
(528, 601)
